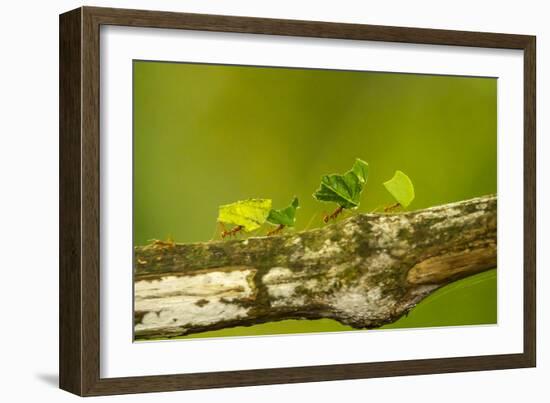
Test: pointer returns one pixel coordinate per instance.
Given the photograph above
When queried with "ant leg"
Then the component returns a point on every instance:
(376, 209)
(310, 221)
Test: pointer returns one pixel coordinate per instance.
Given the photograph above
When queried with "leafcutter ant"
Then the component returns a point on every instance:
(158, 244)
(392, 208)
(275, 231)
(333, 215)
(231, 232)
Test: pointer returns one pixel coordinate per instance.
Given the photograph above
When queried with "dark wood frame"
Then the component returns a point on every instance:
(79, 201)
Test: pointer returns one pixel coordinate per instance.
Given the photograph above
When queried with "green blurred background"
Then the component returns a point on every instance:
(206, 135)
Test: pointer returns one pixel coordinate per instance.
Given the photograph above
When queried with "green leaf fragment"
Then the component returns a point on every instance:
(345, 189)
(401, 188)
(286, 216)
(361, 170)
(249, 214)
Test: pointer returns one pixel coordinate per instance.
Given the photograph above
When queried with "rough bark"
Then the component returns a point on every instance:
(365, 271)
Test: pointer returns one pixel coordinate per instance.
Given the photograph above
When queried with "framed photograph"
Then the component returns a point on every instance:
(249, 201)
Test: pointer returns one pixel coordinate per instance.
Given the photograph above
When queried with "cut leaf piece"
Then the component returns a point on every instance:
(401, 188)
(286, 216)
(345, 190)
(361, 170)
(249, 214)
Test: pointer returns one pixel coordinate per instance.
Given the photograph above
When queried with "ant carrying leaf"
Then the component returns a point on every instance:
(245, 215)
(283, 218)
(402, 190)
(344, 190)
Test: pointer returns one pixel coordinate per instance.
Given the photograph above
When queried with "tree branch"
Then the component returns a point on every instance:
(365, 271)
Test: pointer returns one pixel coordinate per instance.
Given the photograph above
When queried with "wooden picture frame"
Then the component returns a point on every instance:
(80, 199)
